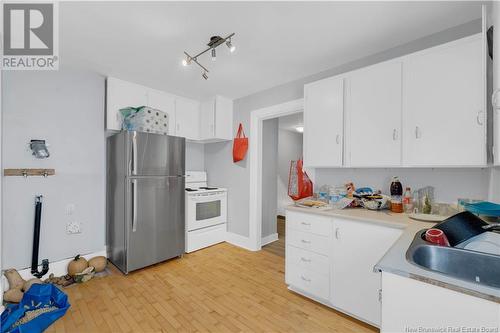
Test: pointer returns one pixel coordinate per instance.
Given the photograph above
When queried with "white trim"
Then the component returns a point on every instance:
(238, 240)
(269, 239)
(58, 268)
(255, 203)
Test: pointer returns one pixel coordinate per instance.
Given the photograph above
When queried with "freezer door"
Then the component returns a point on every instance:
(155, 223)
(155, 155)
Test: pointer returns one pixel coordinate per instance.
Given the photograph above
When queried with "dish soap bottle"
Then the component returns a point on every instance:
(407, 201)
(396, 195)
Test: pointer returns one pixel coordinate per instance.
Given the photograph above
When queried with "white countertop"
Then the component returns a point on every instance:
(394, 261)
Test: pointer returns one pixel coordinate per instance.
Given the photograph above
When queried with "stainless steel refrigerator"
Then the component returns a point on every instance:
(145, 199)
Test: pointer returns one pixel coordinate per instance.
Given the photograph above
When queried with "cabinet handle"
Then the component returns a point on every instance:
(305, 223)
(479, 117)
(417, 132)
(337, 234)
(306, 241)
(305, 279)
(305, 259)
(337, 139)
(394, 134)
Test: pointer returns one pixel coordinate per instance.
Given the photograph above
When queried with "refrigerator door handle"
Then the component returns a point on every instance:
(134, 205)
(134, 153)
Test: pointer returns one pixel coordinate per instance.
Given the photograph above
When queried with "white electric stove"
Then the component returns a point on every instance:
(206, 212)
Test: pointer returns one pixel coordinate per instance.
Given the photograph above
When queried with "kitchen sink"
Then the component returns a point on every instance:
(473, 266)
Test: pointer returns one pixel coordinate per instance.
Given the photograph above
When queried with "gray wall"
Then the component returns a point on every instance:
(449, 183)
(66, 108)
(235, 176)
(289, 149)
(195, 156)
(269, 176)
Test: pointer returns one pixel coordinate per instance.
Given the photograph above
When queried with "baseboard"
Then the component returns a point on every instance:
(269, 239)
(58, 268)
(240, 241)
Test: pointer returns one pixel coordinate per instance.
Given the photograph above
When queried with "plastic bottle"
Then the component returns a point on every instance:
(396, 195)
(407, 201)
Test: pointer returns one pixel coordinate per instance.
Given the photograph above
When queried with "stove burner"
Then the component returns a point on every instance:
(191, 189)
(208, 188)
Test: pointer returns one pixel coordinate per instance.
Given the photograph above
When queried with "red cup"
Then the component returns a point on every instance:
(436, 236)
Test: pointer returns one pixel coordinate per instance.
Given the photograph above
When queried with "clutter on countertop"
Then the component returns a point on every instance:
(396, 195)
(39, 307)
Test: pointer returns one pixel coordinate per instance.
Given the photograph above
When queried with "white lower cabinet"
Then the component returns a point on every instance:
(357, 247)
(331, 260)
(413, 306)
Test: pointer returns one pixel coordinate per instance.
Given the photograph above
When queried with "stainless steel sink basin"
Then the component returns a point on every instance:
(478, 267)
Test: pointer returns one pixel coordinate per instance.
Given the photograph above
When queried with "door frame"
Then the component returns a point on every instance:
(255, 203)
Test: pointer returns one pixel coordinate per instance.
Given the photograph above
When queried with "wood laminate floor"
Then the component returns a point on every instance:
(222, 288)
(278, 247)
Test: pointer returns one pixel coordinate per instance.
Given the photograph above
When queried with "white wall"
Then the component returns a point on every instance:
(66, 108)
(195, 156)
(269, 176)
(236, 176)
(289, 149)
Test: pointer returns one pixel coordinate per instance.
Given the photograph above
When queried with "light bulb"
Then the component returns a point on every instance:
(184, 62)
(230, 46)
(300, 129)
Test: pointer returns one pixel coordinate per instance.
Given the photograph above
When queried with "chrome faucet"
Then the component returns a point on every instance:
(492, 226)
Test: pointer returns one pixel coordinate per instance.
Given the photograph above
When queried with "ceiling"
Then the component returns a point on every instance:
(276, 42)
(290, 122)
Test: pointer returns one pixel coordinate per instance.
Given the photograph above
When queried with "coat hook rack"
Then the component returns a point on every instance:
(29, 172)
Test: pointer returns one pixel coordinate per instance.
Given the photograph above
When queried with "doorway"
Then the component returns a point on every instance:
(258, 140)
(282, 144)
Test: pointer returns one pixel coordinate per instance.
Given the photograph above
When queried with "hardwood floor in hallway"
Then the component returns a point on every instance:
(278, 247)
(222, 288)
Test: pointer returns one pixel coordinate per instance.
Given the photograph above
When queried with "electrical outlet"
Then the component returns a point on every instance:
(73, 227)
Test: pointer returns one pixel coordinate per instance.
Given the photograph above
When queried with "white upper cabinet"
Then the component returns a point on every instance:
(187, 116)
(166, 103)
(373, 110)
(444, 116)
(216, 119)
(121, 94)
(324, 123)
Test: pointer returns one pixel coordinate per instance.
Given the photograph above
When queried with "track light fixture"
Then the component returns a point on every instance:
(214, 42)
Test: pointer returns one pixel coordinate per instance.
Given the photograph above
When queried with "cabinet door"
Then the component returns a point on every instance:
(187, 113)
(223, 118)
(374, 113)
(207, 120)
(166, 103)
(121, 94)
(324, 123)
(444, 115)
(357, 247)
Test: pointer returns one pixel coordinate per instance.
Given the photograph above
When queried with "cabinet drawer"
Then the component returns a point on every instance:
(308, 241)
(317, 285)
(319, 225)
(307, 260)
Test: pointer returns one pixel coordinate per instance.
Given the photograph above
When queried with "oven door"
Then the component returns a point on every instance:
(206, 209)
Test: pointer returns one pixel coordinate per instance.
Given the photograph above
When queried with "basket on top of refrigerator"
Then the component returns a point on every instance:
(144, 119)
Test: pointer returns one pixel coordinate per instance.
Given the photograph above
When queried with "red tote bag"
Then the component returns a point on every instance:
(240, 145)
(299, 184)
